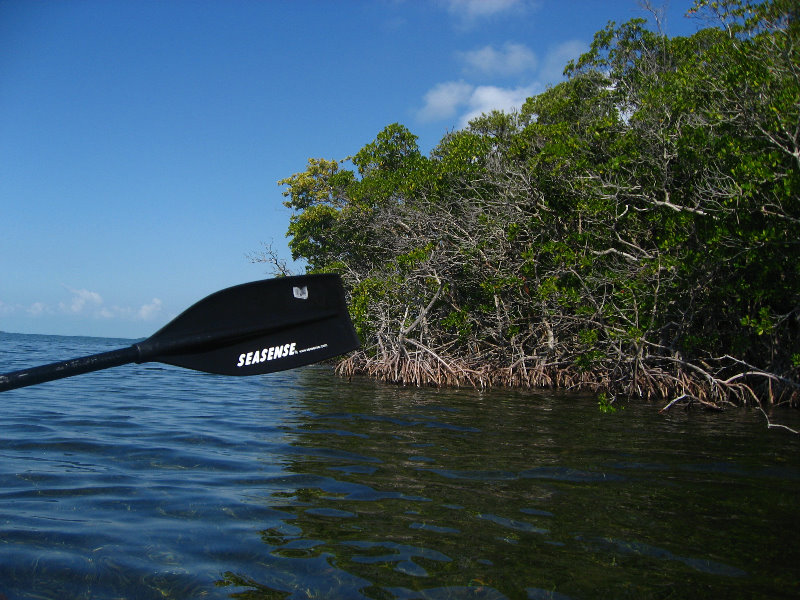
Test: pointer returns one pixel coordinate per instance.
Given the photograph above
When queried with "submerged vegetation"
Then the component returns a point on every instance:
(633, 230)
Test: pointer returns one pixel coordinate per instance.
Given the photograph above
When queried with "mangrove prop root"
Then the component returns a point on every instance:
(684, 384)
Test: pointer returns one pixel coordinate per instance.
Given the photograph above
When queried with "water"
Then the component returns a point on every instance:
(148, 481)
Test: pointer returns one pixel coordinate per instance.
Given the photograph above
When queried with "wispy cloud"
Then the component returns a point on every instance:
(449, 99)
(476, 9)
(552, 68)
(39, 308)
(82, 301)
(85, 303)
(148, 311)
(511, 59)
(486, 98)
(445, 99)
(5, 308)
(462, 101)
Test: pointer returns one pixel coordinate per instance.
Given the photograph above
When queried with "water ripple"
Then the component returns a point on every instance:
(154, 482)
(401, 555)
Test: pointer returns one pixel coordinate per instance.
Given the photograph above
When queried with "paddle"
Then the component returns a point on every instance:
(248, 329)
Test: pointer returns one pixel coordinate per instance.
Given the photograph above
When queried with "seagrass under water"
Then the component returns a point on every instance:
(154, 482)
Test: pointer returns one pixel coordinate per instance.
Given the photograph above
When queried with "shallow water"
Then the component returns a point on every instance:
(148, 481)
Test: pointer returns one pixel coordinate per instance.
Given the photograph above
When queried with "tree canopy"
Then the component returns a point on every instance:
(633, 230)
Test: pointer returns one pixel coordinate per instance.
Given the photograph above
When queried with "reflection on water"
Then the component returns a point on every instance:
(406, 493)
(153, 482)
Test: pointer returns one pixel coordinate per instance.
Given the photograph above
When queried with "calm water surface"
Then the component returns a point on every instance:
(153, 482)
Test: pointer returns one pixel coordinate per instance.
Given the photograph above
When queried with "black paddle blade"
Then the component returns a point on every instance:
(248, 329)
(258, 327)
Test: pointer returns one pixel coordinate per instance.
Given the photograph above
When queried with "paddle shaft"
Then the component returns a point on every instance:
(249, 329)
(145, 351)
(68, 368)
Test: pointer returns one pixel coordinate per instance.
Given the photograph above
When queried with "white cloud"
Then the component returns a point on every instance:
(463, 101)
(148, 311)
(472, 9)
(510, 60)
(452, 98)
(444, 100)
(86, 303)
(6, 309)
(82, 300)
(486, 98)
(38, 308)
(557, 58)
(145, 312)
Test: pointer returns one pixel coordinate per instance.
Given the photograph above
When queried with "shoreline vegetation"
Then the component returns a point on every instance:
(633, 230)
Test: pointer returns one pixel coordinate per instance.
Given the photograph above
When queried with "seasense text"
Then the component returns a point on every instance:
(265, 354)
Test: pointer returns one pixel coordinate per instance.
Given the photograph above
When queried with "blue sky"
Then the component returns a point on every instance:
(141, 142)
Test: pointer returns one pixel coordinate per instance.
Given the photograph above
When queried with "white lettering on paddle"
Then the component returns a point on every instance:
(265, 354)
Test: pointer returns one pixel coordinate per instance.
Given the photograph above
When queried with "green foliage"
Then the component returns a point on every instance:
(762, 324)
(390, 167)
(644, 209)
(408, 261)
(363, 296)
(606, 404)
(459, 321)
